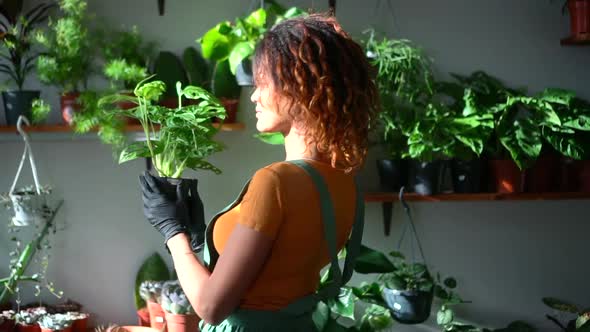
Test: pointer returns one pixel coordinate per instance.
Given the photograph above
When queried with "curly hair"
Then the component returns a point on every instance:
(327, 81)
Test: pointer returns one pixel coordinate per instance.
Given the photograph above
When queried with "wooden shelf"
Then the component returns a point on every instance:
(64, 128)
(412, 197)
(569, 41)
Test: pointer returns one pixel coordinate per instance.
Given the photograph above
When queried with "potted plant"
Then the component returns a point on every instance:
(151, 292)
(7, 321)
(26, 320)
(236, 41)
(180, 315)
(55, 323)
(579, 319)
(18, 55)
(403, 77)
(79, 320)
(67, 59)
(579, 11)
(153, 269)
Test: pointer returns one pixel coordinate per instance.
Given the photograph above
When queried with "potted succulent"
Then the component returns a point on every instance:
(7, 321)
(180, 315)
(79, 320)
(236, 41)
(67, 59)
(579, 319)
(153, 269)
(18, 56)
(26, 320)
(151, 292)
(55, 323)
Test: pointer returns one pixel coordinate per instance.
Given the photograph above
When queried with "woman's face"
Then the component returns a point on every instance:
(271, 112)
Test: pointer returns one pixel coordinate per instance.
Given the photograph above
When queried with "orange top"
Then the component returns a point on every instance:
(282, 202)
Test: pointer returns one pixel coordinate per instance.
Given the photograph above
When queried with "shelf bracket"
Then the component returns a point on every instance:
(387, 211)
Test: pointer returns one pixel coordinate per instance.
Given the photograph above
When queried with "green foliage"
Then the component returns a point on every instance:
(271, 138)
(236, 41)
(174, 300)
(185, 136)
(579, 318)
(39, 110)
(407, 276)
(67, 59)
(197, 68)
(119, 70)
(153, 269)
(16, 54)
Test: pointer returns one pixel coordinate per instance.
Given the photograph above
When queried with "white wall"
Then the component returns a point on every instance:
(505, 255)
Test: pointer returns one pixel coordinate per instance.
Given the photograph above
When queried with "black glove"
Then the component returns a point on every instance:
(164, 205)
(196, 224)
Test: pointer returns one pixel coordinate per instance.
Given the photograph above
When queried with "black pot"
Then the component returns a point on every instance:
(194, 203)
(408, 306)
(424, 176)
(244, 73)
(393, 174)
(466, 175)
(18, 103)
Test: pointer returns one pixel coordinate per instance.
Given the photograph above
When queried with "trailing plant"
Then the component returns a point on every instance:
(17, 55)
(174, 300)
(407, 276)
(68, 55)
(185, 136)
(578, 318)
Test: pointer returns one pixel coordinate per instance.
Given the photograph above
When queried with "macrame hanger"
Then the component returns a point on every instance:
(410, 223)
(27, 152)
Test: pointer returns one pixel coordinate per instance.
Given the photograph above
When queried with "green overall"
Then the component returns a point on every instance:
(297, 316)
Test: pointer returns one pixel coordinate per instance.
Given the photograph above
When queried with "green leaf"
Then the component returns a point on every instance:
(217, 43)
(343, 305)
(560, 305)
(558, 96)
(581, 122)
(240, 52)
(372, 261)
(137, 150)
(153, 268)
(320, 316)
(257, 18)
(567, 144)
(444, 316)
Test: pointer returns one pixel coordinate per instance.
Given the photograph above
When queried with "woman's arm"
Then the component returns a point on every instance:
(215, 295)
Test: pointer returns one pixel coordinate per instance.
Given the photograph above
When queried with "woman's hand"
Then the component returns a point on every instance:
(169, 215)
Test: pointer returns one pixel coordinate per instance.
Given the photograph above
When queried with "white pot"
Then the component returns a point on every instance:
(29, 208)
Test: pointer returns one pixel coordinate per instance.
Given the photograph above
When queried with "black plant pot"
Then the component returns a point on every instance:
(18, 103)
(466, 175)
(193, 202)
(424, 176)
(393, 174)
(244, 73)
(408, 306)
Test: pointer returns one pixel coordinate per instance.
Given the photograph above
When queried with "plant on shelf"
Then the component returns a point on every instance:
(151, 292)
(236, 41)
(67, 61)
(185, 136)
(17, 55)
(578, 318)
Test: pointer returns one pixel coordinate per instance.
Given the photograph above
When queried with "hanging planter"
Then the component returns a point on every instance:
(409, 289)
(29, 203)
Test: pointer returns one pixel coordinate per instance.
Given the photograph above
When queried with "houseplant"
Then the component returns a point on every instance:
(579, 11)
(152, 269)
(67, 59)
(151, 292)
(26, 320)
(17, 56)
(236, 41)
(180, 315)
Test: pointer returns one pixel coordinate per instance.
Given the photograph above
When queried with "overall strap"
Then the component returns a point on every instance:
(353, 246)
(210, 255)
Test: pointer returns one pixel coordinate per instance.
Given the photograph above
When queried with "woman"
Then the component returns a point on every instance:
(263, 253)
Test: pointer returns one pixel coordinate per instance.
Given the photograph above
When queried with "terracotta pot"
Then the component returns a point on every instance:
(157, 316)
(182, 323)
(505, 176)
(28, 328)
(579, 11)
(67, 329)
(231, 109)
(545, 175)
(69, 105)
(80, 325)
(8, 326)
(143, 317)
